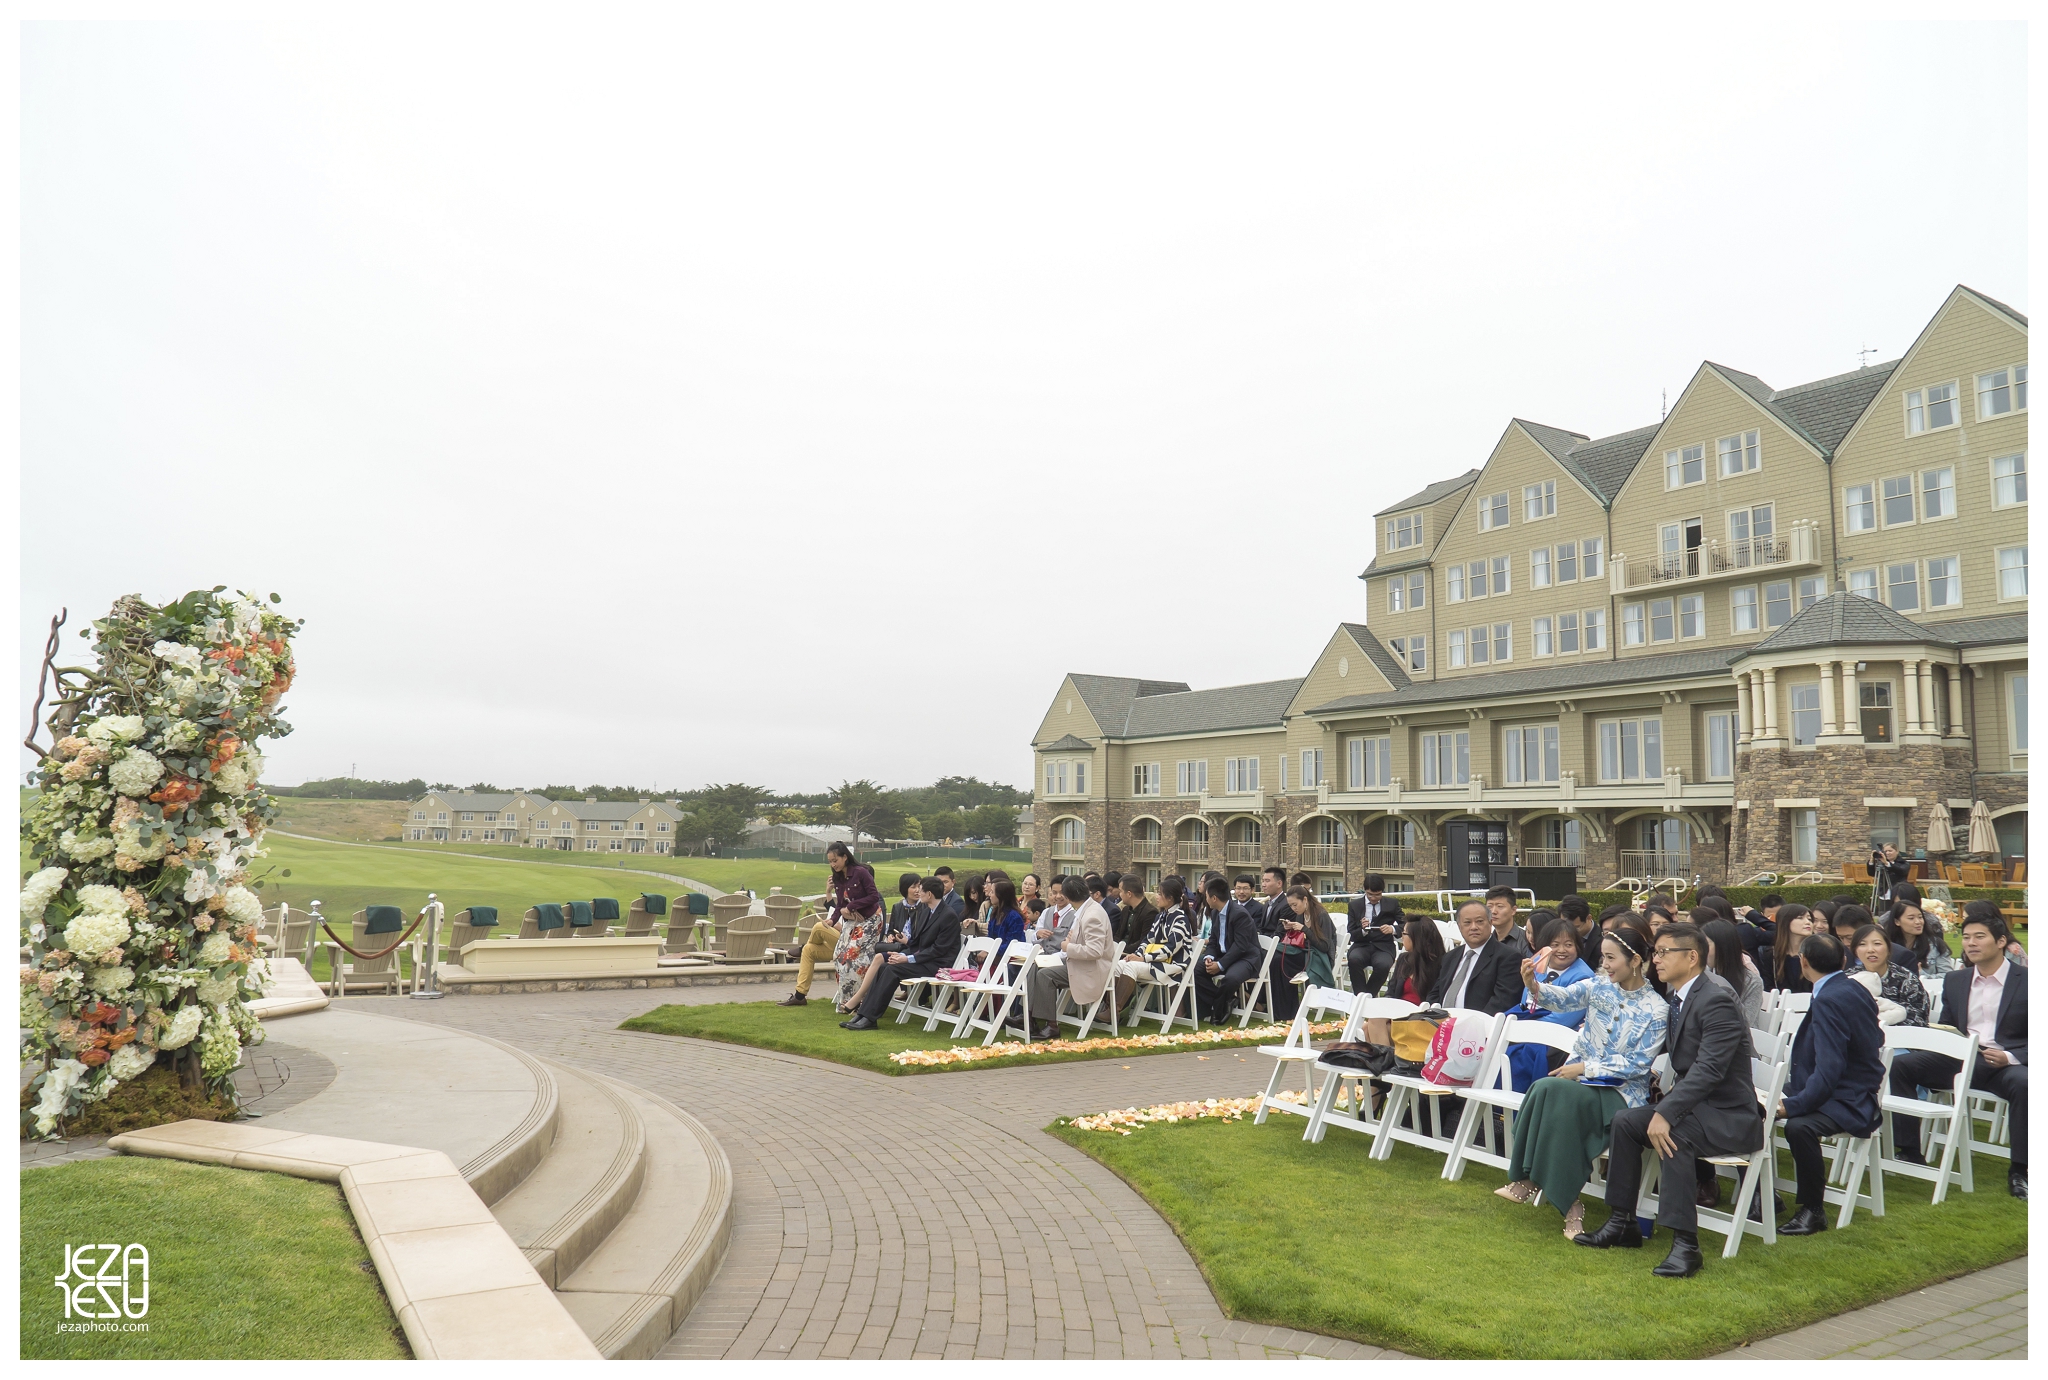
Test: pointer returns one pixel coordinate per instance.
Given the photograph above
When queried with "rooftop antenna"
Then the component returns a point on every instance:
(1663, 403)
(1863, 356)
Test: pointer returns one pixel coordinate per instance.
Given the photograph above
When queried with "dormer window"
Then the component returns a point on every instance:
(1404, 532)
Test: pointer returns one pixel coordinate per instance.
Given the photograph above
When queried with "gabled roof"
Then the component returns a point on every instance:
(1440, 489)
(1827, 408)
(1543, 680)
(1068, 744)
(467, 800)
(1259, 705)
(612, 809)
(2017, 316)
(1609, 460)
(1394, 671)
(1761, 394)
(1109, 697)
(1560, 444)
(1851, 620)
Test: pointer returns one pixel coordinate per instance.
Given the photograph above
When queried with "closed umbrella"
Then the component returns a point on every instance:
(1940, 837)
(1983, 838)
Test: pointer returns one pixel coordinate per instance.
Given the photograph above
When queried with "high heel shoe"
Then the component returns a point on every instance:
(1522, 1192)
(1575, 1220)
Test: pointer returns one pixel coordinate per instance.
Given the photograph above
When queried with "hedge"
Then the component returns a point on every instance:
(1807, 895)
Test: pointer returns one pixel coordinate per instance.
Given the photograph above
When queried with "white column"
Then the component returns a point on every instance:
(1745, 706)
(1830, 725)
(1955, 700)
(1770, 701)
(1852, 706)
(1930, 720)
(1909, 676)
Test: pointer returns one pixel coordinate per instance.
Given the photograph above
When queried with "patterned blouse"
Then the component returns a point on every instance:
(1901, 985)
(1624, 1034)
(1170, 932)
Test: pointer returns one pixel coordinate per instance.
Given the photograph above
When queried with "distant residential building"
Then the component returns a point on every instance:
(1026, 828)
(470, 816)
(803, 838)
(603, 826)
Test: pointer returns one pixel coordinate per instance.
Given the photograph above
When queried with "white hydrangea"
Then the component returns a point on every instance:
(241, 907)
(112, 982)
(184, 1025)
(95, 932)
(38, 891)
(177, 654)
(115, 728)
(91, 848)
(103, 900)
(181, 734)
(128, 838)
(214, 951)
(64, 1075)
(130, 1062)
(239, 773)
(215, 991)
(135, 773)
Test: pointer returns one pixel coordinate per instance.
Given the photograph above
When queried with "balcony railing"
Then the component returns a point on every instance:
(1191, 851)
(1322, 855)
(1386, 857)
(1234, 853)
(1798, 544)
(1069, 848)
(1642, 863)
(1553, 857)
(1740, 555)
(1147, 850)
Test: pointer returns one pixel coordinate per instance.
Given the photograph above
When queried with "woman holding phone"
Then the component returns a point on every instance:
(1563, 1122)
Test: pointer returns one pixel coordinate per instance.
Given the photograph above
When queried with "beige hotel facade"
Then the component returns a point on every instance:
(1766, 633)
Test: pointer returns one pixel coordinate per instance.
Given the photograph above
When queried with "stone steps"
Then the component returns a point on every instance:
(583, 1184)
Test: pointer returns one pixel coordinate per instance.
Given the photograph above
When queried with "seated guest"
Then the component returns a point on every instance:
(1726, 960)
(1795, 922)
(1113, 889)
(1558, 963)
(1921, 936)
(1005, 922)
(1837, 1075)
(1234, 953)
(1373, 922)
(1897, 988)
(1988, 910)
(933, 943)
(1086, 949)
(1613, 913)
(901, 912)
(1500, 911)
(1051, 931)
(1844, 923)
(1989, 1000)
(1133, 920)
(1575, 909)
(1483, 974)
(1270, 907)
(1162, 949)
(1564, 1122)
(1308, 947)
(1244, 890)
(975, 896)
(1710, 1110)
(1422, 958)
(1099, 892)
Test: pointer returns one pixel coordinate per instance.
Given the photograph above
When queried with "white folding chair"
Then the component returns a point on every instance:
(1952, 1115)
(1175, 988)
(1408, 1093)
(1932, 986)
(1259, 987)
(1495, 1087)
(1995, 1112)
(977, 953)
(903, 1001)
(1337, 1079)
(1756, 1173)
(1786, 1006)
(997, 993)
(1297, 1051)
(1086, 1019)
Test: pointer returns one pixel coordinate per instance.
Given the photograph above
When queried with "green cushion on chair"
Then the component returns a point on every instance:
(579, 914)
(654, 905)
(383, 919)
(483, 917)
(700, 904)
(548, 915)
(604, 908)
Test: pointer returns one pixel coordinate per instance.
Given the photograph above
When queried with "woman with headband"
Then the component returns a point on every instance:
(1563, 1122)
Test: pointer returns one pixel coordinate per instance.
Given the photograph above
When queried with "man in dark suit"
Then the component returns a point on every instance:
(1375, 929)
(1989, 1000)
(1837, 1075)
(934, 940)
(1272, 910)
(947, 898)
(1481, 975)
(900, 914)
(1234, 952)
(1134, 918)
(1711, 1111)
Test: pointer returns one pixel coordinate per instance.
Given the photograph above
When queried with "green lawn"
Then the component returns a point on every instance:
(242, 1265)
(813, 1030)
(1321, 1238)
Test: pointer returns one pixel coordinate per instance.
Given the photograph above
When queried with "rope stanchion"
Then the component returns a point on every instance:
(329, 932)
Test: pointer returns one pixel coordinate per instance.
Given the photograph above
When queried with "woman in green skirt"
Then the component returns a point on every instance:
(1563, 1122)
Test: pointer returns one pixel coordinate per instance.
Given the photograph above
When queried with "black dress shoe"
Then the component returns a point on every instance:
(861, 1023)
(2016, 1182)
(1757, 1208)
(793, 999)
(1684, 1260)
(1619, 1230)
(1805, 1222)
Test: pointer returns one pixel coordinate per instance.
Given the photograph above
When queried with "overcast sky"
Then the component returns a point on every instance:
(794, 393)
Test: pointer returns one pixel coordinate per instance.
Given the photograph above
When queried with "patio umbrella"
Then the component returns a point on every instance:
(1983, 839)
(1940, 837)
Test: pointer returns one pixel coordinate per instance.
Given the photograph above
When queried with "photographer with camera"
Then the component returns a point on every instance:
(1888, 871)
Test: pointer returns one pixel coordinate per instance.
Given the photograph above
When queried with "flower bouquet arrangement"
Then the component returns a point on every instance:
(140, 921)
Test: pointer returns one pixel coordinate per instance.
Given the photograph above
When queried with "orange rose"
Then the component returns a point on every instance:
(93, 1058)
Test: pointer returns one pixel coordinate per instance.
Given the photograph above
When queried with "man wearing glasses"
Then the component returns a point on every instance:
(1712, 1110)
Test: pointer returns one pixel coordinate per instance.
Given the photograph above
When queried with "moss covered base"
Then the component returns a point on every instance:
(151, 1100)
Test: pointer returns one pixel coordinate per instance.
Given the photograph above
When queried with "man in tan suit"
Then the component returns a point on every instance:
(1087, 967)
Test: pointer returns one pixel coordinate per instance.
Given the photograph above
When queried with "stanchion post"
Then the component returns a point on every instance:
(428, 988)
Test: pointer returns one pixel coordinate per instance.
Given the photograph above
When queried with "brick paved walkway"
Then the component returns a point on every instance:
(1020, 1246)
(1979, 1316)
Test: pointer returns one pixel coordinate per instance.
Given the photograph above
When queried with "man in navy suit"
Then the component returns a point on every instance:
(1234, 951)
(1837, 1074)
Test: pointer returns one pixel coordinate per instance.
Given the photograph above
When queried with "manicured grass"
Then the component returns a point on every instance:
(813, 1030)
(242, 1265)
(1322, 1238)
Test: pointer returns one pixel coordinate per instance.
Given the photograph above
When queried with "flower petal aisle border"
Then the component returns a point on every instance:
(140, 922)
(1216, 1108)
(1012, 1049)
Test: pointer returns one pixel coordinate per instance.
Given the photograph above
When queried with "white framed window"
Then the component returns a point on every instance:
(1503, 642)
(1191, 778)
(1145, 778)
(1874, 708)
(1595, 621)
(1743, 613)
(1937, 494)
(1454, 647)
(1931, 408)
(1634, 626)
(1475, 581)
(1541, 641)
(1806, 713)
(1996, 392)
(1737, 454)
(1663, 626)
(1418, 653)
(1632, 750)
(1863, 582)
(618, 826)
(1539, 501)
(1240, 775)
(1721, 731)
(1777, 603)
(1280, 776)
(1478, 645)
(1080, 778)
(1404, 532)
(1859, 508)
(441, 817)
(1493, 512)
(1810, 591)
(469, 816)
(1418, 589)
(1500, 574)
(1311, 768)
(1566, 568)
(1397, 595)
(1805, 837)
(1446, 759)
(1749, 534)
(1454, 584)
(419, 814)
(1898, 501)
(1539, 568)
(1692, 615)
(661, 827)
(1902, 585)
(2012, 572)
(1685, 466)
(1590, 557)
(1530, 754)
(1567, 633)
(2008, 480)
(590, 827)
(2018, 702)
(467, 835)
(1371, 763)
(1944, 582)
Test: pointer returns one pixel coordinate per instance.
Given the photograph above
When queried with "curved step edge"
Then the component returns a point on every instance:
(559, 1248)
(496, 1170)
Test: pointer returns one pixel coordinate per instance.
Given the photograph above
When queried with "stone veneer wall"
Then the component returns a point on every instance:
(1839, 777)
